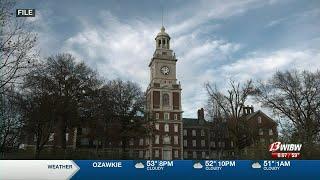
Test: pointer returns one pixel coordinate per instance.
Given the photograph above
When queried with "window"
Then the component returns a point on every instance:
(175, 116)
(194, 132)
(165, 99)
(156, 153)
(203, 143)
(51, 137)
(176, 153)
(202, 132)
(141, 142)
(157, 126)
(67, 137)
(157, 115)
(166, 140)
(261, 132)
(219, 144)
(156, 139)
(231, 144)
(147, 141)
(166, 116)
(185, 133)
(194, 143)
(194, 155)
(271, 140)
(259, 120)
(84, 141)
(176, 128)
(270, 132)
(185, 143)
(185, 154)
(175, 140)
(262, 140)
(84, 130)
(147, 154)
(203, 154)
(223, 144)
(166, 128)
(131, 142)
(213, 144)
(140, 154)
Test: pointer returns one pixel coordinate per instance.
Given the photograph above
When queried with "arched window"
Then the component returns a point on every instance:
(165, 99)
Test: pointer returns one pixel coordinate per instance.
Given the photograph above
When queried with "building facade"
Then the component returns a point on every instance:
(163, 96)
(170, 136)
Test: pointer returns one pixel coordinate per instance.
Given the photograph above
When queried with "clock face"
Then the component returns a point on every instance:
(165, 70)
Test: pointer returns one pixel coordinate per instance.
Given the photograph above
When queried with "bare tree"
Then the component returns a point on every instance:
(11, 122)
(295, 96)
(71, 84)
(229, 106)
(17, 42)
(126, 106)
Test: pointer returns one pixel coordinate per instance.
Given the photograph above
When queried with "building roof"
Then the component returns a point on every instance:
(163, 32)
(193, 122)
(252, 115)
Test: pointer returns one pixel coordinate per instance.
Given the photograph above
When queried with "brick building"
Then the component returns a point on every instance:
(171, 136)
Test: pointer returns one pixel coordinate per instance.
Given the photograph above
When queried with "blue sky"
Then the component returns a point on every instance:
(213, 40)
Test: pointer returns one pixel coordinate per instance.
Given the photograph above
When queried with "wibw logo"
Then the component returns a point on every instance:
(278, 146)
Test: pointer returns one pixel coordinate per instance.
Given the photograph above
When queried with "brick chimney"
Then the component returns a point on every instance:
(200, 114)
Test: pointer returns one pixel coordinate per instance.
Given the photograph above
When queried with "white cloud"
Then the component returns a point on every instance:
(263, 65)
(139, 165)
(197, 165)
(123, 49)
(256, 165)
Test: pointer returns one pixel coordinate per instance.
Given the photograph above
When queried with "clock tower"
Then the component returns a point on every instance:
(163, 108)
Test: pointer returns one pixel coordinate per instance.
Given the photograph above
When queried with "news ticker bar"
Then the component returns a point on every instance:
(159, 169)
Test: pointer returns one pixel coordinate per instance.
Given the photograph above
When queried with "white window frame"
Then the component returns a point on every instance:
(270, 132)
(213, 144)
(185, 132)
(156, 139)
(166, 116)
(176, 139)
(202, 132)
(141, 141)
(156, 126)
(203, 154)
(147, 154)
(194, 143)
(261, 132)
(176, 153)
(140, 153)
(176, 127)
(185, 154)
(131, 142)
(175, 116)
(156, 153)
(166, 128)
(166, 139)
(194, 132)
(185, 143)
(259, 120)
(203, 143)
(194, 155)
(157, 115)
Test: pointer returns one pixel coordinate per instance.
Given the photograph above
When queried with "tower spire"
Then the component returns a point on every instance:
(162, 16)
